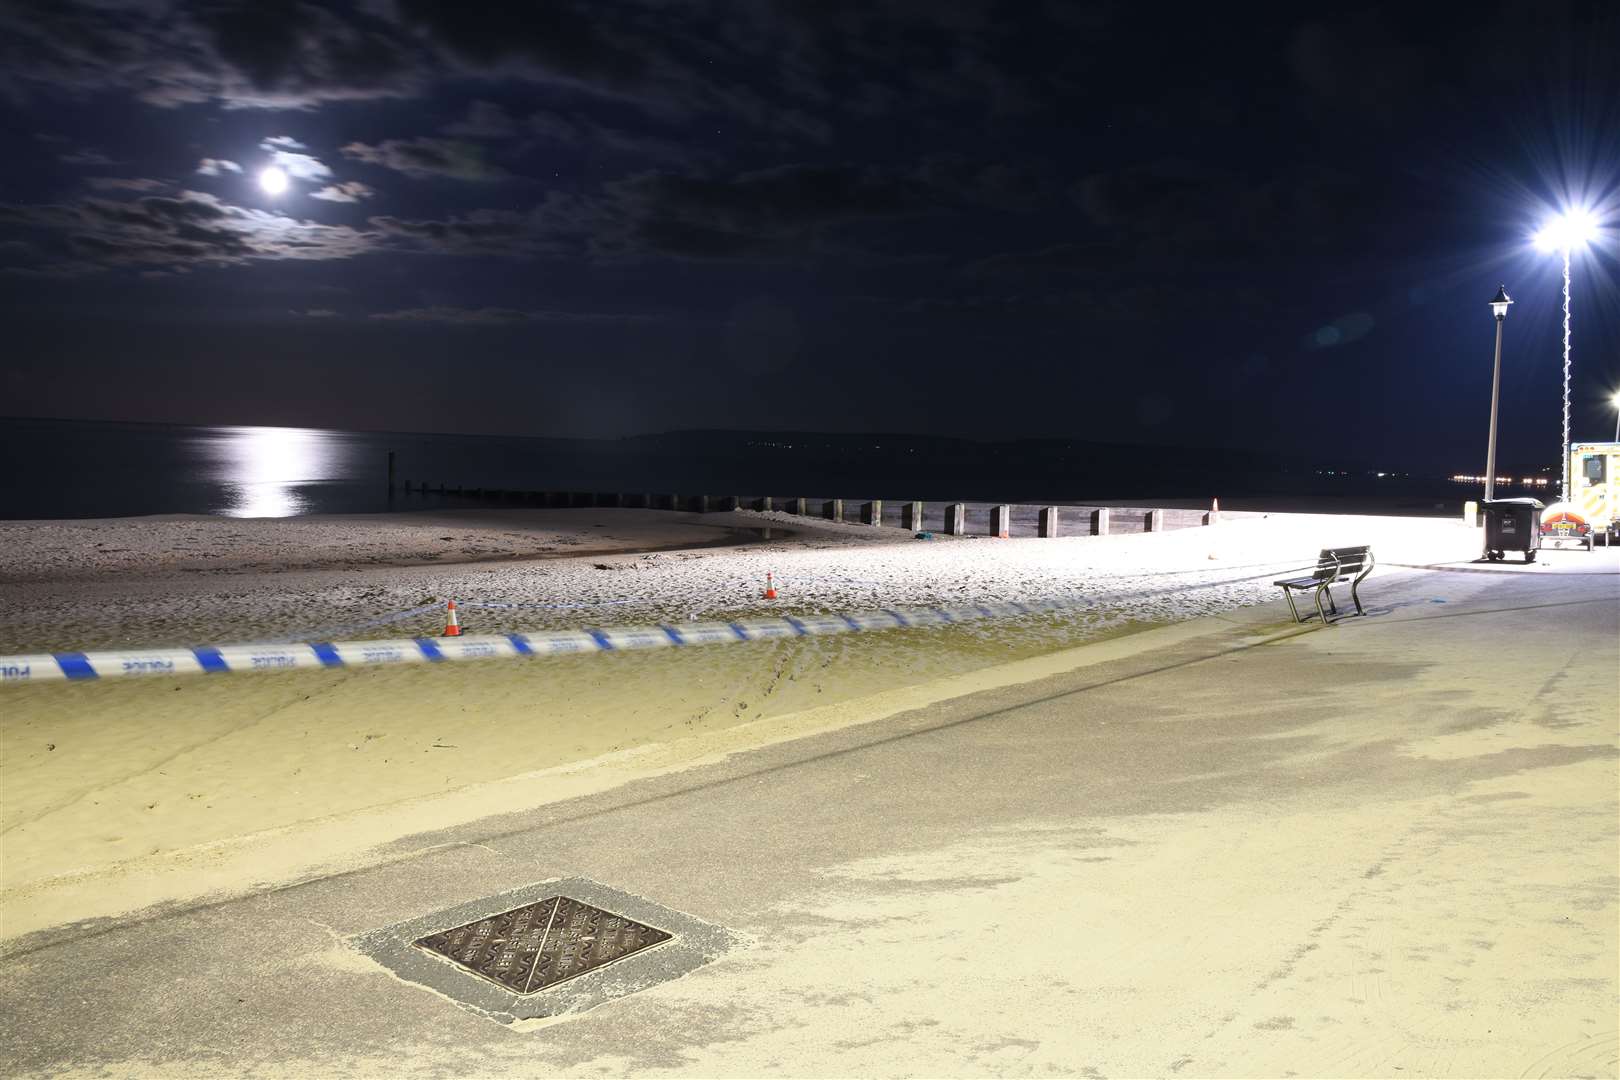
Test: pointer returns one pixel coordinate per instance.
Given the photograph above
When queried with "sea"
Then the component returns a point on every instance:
(90, 469)
(54, 469)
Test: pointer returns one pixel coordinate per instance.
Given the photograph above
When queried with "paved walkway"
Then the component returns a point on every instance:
(1387, 847)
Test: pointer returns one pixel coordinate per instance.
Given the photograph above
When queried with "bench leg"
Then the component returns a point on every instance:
(1331, 605)
(1357, 598)
(1289, 594)
(1319, 610)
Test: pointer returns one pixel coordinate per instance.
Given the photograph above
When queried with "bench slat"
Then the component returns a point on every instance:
(1333, 565)
(1299, 583)
(1340, 564)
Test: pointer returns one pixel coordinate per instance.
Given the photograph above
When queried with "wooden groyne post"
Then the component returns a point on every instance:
(1001, 520)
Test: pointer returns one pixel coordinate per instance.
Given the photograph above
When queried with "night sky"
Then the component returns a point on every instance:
(1230, 225)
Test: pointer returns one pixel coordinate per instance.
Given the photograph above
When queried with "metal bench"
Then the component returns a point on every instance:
(1334, 565)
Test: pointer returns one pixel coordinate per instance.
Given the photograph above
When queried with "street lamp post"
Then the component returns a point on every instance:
(1615, 401)
(1499, 306)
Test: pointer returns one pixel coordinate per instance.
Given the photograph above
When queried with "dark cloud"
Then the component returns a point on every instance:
(1358, 60)
(785, 212)
(162, 232)
(85, 157)
(290, 54)
(484, 120)
(1001, 185)
(284, 153)
(582, 130)
(496, 316)
(782, 212)
(777, 65)
(567, 42)
(217, 167)
(1064, 258)
(502, 234)
(769, 214)
(1092, 296)
(427, 157)
(945, 65)
(764, 214)
(1174, 213)
(174, 53)
(349, 191)
(120, 183)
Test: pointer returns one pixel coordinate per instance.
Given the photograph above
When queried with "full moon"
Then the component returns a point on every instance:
(273, 181)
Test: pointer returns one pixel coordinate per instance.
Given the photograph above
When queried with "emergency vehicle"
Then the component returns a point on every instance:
(1594, 497)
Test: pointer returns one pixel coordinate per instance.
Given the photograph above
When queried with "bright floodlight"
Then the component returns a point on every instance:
(1573, 229)
(273, 181)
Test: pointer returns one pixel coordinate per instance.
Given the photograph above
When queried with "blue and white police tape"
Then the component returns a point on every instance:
(209, 659)
(219, 659)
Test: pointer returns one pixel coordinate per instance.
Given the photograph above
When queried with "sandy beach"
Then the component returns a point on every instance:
(112, 773)
(189, 580)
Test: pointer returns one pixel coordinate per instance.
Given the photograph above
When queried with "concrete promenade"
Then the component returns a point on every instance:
(1382, 848)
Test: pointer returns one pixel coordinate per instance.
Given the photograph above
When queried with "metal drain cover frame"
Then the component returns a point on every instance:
(555, 947)
(539, 945)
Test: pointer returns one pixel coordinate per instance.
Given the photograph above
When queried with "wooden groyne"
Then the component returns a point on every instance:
(948, 518)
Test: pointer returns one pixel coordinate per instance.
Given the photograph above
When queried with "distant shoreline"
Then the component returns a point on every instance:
(96, 470)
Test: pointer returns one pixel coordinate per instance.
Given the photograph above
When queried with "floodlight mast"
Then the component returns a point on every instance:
(1571, 229)
(1563, 450)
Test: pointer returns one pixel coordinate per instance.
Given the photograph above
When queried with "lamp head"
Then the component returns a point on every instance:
(1499, 303)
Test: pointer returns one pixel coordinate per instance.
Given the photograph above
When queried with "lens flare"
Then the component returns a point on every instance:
(1569, 230)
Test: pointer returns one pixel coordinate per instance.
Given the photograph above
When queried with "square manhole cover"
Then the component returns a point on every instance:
(548, 949)
(538, 945)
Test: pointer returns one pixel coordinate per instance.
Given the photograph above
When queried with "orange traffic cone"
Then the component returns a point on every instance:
(452, 625)
(770, 587)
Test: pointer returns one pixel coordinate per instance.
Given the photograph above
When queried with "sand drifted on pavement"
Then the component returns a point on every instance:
(164, 774)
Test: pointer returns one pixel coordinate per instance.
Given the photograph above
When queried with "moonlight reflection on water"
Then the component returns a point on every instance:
(262, 468)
